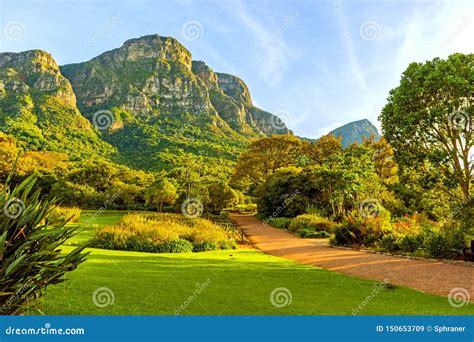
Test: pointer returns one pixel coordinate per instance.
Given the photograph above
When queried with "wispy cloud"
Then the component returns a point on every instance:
(274, 53)
(348, 44)
(435, 31)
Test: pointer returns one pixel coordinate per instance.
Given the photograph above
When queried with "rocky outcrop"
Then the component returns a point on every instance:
(38, 106)
(149, 75)
(158, 103)
(231, 99)
(205, 74)
(156, 76)
(33, 70)
(235, 88)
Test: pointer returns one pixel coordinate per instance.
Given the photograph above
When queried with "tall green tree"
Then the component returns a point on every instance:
(429, 116)
(162, 192)
(264, 156)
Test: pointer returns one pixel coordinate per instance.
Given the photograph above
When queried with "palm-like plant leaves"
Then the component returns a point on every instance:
(30, 255)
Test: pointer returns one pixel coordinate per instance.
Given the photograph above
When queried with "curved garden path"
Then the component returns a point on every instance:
(430, 276)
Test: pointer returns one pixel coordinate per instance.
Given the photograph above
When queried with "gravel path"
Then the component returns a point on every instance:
(435, 277)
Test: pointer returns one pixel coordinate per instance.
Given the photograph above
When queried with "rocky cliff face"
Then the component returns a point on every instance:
(38, 105)
(160, 104)
(156, 76)
(150, 75)
(33, 70)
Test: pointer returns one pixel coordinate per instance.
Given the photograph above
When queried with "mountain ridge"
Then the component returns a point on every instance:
(160, 105)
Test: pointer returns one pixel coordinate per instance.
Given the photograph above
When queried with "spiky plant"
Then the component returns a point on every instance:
(30, 254)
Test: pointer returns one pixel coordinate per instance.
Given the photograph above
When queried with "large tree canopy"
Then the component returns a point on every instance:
(429, 116)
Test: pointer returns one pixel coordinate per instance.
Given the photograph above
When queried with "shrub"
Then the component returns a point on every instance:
(64, 214)
(311, 234)
(281, 222)
(249, 208)
(356, 230)
(446, 243)
(314, 210)
(30, 247)
(411, 243)
(389, 243)
(311, 222)
(163, 233)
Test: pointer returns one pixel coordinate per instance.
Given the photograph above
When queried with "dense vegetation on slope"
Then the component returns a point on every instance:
(38, 107)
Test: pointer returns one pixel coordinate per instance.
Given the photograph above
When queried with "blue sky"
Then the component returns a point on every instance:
(317, 64)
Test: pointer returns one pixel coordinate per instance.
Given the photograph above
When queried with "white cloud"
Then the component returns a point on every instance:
(348, 44)
(436, 31)
(274, 54)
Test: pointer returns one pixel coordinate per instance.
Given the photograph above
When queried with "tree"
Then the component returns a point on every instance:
(162, 192)
(429, 116)
(264, 156)
(8, 153)
(323, 148)
(220, 196)
(383, 157)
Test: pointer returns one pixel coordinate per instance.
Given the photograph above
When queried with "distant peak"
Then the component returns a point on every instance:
(356, 132)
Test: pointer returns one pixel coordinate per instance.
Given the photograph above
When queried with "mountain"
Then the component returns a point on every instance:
(148, 100)
(38, 107)
(356, 132)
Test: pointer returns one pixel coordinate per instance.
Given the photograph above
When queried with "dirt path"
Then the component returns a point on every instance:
(424, 275)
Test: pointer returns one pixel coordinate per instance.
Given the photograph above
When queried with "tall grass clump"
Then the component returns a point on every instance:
(64, 214)
(162, 233)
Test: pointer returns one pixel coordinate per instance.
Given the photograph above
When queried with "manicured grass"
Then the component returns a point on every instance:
(238, 282)
(92, 219)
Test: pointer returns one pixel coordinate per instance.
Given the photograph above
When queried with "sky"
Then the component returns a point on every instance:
(316, 64)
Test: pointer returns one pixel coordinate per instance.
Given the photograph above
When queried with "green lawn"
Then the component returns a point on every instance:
(237, 282)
